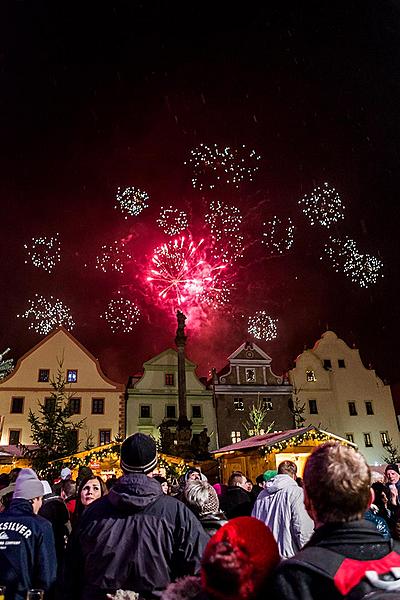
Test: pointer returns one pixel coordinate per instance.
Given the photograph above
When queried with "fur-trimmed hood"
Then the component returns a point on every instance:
(188, 588)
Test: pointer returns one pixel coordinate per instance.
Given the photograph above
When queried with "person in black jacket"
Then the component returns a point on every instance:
(236, 502)
(136, 537)
(336, 496)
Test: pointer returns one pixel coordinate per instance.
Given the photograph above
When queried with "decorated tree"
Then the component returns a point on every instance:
(297, 409)
(392, 452)
(256, 420)
(6, 366)
(53, 431)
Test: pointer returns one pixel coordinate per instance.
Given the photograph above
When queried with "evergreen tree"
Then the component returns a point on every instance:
(297, 409)
(52, 429)
(257, 416)
(392, 451)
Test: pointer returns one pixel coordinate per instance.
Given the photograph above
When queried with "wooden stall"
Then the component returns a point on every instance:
(256, 454)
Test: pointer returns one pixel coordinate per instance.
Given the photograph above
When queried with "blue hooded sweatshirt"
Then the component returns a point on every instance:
(27, 551)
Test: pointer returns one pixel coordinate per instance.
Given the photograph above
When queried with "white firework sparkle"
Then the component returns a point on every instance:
(45, 314)
(172, 220)
(278, 235)
(323, 206)
(225, 223)
(345, 257)
(122, 315)
(131, 201)
(113, 258)
(44, 252)
(262, 326)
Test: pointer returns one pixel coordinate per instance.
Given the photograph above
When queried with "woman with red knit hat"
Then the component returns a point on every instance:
(236, 564)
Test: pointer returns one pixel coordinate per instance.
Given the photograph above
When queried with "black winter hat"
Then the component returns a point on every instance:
(138, 454)
(392, 467)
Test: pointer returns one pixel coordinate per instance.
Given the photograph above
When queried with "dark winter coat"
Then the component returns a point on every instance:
(212, 522)
(27, 551)
(135, 538)
(236, 502)
(54, 510)
(358, 540)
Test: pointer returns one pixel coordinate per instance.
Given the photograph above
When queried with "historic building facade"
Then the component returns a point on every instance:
(341, 395)
(152, 398)
(95, 398)
(245, 382)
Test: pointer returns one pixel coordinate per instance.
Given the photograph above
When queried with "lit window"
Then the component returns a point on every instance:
(350, 437)
(369, 408)
(196, 411)
(310, 376)
(250, 376)
(367, 440)
(75, 406)
(145, 411)
(72, 376)
(238, 404)
(385, 438)
(352, 409)
(14, 437)
(169, 379)
(17, 405)
(44, 375)
(267, 404)
(327, 364)
(341, 363)
(170, 411)
(312, 404)
(104, 436)
(236, 436)
(97, 406)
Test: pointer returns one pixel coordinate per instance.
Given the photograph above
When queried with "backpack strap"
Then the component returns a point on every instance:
(346, 573)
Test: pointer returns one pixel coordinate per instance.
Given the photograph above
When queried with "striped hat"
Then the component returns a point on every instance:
(138, 454)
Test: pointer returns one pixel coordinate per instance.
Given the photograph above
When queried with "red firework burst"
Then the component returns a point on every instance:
(182, 275)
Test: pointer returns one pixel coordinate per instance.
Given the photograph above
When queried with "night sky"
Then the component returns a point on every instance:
(99, 95)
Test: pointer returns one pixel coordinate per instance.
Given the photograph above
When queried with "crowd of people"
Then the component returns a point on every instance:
(333, 533)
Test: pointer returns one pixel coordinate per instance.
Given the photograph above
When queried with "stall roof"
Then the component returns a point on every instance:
(269, 439)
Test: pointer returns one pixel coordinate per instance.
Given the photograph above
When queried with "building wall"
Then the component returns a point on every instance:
(247, 379)
(335, 386)
(151, 390)
(91, 383)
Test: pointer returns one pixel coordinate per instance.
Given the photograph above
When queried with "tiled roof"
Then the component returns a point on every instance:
(268, 439)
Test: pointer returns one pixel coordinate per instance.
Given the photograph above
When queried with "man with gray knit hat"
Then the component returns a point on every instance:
(27, 552)
(136, 537)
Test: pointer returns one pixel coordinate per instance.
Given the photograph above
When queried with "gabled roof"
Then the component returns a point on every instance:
(269, 439)
(263, 355)
(168, 352)
(76, 342)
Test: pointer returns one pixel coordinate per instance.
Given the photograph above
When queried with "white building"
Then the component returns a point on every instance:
(153, 397)
(344, 397)
(96, 398)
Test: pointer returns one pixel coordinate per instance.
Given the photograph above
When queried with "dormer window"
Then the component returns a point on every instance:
(310, 376)
(250, 376)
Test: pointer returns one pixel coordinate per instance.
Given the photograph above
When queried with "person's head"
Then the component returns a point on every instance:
(288, 467)
(380, 497)
(201, 497)
(68, 489)
(377, 477)
(66, 473)
(237, 479)
(4, 480)
(29, 487)
(260, 480)
(193, 474)
(238, 560)
(6, 495)
(14, 474)
(249, 485)
(163, 482)
(392, 473)
(91, 489)
(138, 454)
(270, 474)
(336, 484)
